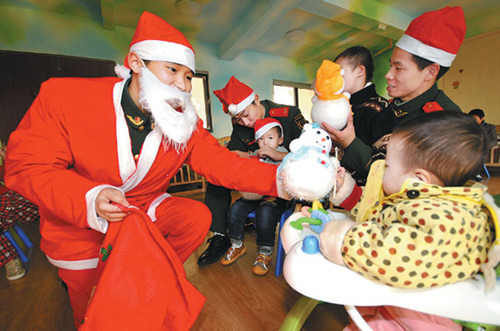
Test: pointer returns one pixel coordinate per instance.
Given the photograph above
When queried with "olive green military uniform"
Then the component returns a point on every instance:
(358, 156)
(218, 198)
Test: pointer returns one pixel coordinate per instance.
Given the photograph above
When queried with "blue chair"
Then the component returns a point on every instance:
(17, 231)
(487, 174)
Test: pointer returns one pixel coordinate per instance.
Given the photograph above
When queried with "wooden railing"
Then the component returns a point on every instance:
(187, 182)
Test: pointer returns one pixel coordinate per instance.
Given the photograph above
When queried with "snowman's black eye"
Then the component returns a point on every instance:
(318, 132)
(327, 137)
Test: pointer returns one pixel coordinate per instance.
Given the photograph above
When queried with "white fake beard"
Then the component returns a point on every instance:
(161, 101)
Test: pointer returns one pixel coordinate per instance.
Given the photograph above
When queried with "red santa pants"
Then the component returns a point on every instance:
(183, 222)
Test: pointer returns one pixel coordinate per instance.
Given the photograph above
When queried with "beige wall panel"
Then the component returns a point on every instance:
(474, 78)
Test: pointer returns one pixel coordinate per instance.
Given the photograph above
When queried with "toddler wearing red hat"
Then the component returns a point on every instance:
(269, 136)
(245, 108)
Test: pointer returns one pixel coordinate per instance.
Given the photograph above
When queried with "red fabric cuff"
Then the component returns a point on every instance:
(352, 199)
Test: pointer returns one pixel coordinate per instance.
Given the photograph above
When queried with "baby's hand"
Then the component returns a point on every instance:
(328, 241)
(270, 153)
(331, 239)
(339, 177)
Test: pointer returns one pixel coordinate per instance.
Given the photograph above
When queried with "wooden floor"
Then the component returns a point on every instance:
(236, 300)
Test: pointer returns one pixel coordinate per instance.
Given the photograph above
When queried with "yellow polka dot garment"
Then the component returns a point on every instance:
(423, 236)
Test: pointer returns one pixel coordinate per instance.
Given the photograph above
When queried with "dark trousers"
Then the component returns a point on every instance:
(267, 216)
(218, 200)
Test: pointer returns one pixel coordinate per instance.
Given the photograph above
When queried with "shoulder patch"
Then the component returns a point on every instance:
(299, 120)
(399, 113)
(372, 105)
(279, 112)
(430, 107)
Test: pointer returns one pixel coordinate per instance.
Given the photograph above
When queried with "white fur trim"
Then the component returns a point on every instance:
(158, 50)
(232, 108)
(130, 175)
(235, 109)
(260, 132)
(146, 159)
(280, 185)
(433, 54)
(152, 207)
(122, 71)
(75, 265)
(345, 190)
(125, 157)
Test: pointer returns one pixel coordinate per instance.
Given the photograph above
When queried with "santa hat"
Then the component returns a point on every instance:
(264, 125)
(156, 40)
(436, 35)
(235, 96)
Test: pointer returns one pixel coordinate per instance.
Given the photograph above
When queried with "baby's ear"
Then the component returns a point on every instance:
(281, 140)
(427, 177)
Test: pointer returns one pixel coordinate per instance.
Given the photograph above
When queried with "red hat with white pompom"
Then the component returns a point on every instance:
(235, 96)
(266, 124)
(436, 35)
(157, 40)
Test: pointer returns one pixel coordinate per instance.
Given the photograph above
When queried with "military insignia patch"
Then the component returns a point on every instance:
(279, 112)
(249, 142)
(372, 105)
(299, 121)
(430, 107)
(135, 120)
(399, 113)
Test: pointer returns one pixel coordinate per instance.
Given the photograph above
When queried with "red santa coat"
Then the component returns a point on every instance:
(74, 141)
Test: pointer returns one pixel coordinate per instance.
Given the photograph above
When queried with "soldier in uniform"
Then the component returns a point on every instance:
(421, 56)
(245, 108)
(369, 109)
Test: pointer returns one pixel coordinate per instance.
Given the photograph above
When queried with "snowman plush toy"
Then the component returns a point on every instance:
(308, 171)
(330, 104)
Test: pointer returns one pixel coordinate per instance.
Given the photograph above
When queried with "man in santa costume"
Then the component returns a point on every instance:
(88, 145)
(422, 55)
(245, 107)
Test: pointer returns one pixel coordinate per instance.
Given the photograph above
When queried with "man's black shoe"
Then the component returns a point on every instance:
(217, 246)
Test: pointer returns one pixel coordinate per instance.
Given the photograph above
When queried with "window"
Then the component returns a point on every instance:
(293, 94)
(201, 97)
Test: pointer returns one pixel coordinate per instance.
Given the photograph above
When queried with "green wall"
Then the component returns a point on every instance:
(381, 63)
